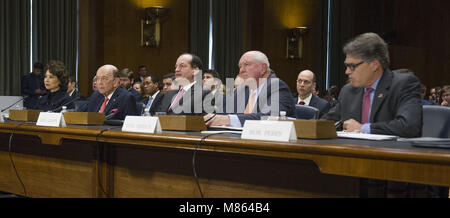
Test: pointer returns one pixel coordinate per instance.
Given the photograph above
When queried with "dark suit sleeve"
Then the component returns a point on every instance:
(408, 114)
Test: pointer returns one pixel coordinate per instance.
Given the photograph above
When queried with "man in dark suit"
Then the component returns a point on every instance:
(377, 100)
(306, 83)
(262, 94)
(110, 98)
(188, 98)
(72, 89)
(33, 86)
(152, 89)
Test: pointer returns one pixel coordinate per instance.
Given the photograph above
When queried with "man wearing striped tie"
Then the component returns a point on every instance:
(187, 99)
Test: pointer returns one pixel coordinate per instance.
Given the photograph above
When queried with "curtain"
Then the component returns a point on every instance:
(227, 28)
(14, 44)
(341, 31)
(199, 30)
(56, 27)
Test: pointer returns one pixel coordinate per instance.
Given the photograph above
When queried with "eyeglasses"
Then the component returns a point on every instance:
(352, 67)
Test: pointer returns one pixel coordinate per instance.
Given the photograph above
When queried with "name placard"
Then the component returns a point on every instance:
(141, 124)
(1, 118)
(51, 119)
(269, 130)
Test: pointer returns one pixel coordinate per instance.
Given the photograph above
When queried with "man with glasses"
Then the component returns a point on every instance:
(377, 100)
(111, 99)
(306, 83)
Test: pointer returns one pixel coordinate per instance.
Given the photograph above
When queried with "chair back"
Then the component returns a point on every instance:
(140, 107)
(304, 112)
(436, 121)
(79, 105)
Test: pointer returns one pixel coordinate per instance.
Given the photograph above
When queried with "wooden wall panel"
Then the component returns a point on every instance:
(113, 28)
(266, 28)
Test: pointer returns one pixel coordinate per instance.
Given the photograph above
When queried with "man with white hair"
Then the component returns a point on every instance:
(111, 99)
(263, 94)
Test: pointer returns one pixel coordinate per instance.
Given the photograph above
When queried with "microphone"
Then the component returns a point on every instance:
(23, 98)
(60, 107)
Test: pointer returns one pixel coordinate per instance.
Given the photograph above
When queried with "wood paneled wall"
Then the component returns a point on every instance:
(266, 26)
(110, 33)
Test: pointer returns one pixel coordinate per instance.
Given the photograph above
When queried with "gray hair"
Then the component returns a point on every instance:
(369, 47)
(261, 58)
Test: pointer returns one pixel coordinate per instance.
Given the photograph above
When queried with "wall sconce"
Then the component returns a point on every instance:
(151, 26)
(294, 44)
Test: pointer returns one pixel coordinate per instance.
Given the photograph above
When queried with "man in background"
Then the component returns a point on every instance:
(72, 89)
(306, 83)
(33, 86)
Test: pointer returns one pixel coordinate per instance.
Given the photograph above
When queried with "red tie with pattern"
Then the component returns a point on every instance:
(366, 106)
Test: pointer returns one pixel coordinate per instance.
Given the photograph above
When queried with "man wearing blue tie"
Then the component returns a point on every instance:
(152, 89)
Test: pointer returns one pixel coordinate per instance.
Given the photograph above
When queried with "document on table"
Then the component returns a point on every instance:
(373, 137)
(223, 129)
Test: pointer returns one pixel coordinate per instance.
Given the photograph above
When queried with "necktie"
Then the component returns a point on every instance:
(251, 100)
(301, 103)
(177, 99)
(366, 106)
(149, 102)
(103, 107)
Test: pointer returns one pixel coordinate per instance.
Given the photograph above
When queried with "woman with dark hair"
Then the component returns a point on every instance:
(56, 80)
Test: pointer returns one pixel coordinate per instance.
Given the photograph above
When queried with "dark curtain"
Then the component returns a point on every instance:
(227, 37)
(199, 29)
(14, 44)
(56, 26)
(341, 30)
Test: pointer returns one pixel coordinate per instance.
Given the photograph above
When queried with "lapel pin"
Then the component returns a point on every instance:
(380, 95)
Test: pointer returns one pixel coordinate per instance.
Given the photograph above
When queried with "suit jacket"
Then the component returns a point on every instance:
(264, 102)
(396, 107)
(53, 100)
(182, 108)
(318, 103)
(77, 94)
(122, 103)
(155, 103)
(136, 94)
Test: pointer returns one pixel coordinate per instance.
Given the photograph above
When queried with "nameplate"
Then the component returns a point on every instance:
(1, 118)
(51, 119)
(281, 131)
(141, 124)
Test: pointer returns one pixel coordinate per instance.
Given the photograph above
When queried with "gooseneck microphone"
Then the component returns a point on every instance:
(60, 107)
(23, 98)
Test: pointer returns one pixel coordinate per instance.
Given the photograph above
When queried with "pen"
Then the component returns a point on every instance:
(338, 124)
(209, 119)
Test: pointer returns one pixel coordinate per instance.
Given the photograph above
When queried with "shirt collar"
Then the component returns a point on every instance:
(306, 100)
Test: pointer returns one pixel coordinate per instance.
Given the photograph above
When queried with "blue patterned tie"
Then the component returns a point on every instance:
(149, 102)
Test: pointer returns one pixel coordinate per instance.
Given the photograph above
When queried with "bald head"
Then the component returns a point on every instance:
(306, 82)
(107, 79)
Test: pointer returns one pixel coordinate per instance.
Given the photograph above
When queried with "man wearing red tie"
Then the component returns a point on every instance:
(306, 83)
(110, 98)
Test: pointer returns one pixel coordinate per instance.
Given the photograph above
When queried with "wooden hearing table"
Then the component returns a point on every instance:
(79, 162)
